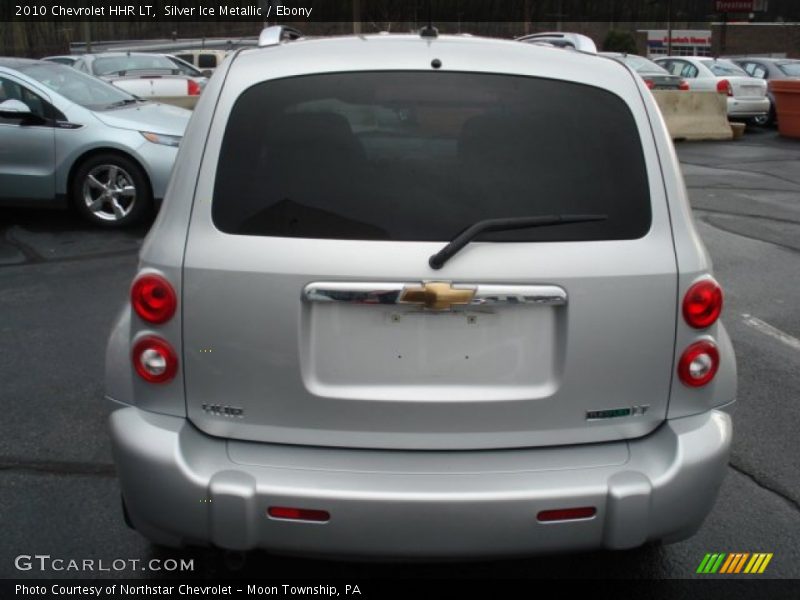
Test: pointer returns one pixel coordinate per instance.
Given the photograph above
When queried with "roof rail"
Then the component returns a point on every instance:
(275, 34)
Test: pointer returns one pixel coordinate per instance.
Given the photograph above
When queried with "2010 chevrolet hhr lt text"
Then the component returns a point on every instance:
(421, 295)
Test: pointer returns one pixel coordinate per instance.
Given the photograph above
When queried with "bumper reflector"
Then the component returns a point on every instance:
(298, 514)
(566, 514)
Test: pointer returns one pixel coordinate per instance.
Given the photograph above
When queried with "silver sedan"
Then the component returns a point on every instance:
(69, 139)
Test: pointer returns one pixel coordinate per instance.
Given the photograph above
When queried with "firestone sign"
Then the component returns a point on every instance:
(740, 5)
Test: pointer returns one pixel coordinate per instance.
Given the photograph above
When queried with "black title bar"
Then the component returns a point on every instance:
(383, 11)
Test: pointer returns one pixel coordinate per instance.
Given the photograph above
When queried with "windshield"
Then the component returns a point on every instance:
(641, 64)
(78, 87)
(724, 67)
(419, 156)
(791, 69)
(136, 62)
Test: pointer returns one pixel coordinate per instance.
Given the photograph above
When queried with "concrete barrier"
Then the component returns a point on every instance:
(182, 101)
(695, 115)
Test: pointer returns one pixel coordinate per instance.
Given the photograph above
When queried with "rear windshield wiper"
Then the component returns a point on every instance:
(462, 239)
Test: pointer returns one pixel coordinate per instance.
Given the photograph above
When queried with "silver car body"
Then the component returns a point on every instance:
(749, 95)
(37, 161)
(292, 388)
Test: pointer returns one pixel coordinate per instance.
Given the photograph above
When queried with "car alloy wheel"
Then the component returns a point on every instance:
(109, 192)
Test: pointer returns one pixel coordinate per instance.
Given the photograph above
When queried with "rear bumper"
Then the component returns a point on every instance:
(184, 487)
(748, 108)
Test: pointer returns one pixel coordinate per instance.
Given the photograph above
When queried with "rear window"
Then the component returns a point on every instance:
(642, 65)
(724, 67)
(114, 65)
(790, 69)
(420, 156)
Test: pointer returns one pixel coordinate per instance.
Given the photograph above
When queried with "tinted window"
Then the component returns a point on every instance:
(685, 69)
(207, 61)
(11, 90)
(422, 155)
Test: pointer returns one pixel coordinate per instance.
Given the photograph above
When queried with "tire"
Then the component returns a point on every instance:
(111, 190)
(767, 120)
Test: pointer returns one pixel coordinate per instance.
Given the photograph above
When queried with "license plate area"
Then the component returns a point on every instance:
(397, 352)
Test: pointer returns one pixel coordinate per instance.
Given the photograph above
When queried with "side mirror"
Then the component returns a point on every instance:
(14, 108)
(207, 72)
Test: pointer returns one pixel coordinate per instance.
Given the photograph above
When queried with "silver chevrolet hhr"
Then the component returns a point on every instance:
(421, 295)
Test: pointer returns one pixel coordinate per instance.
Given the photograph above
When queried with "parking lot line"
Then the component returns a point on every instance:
(771, 331)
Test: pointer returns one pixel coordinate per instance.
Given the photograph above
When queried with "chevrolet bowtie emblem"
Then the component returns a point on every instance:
(437, 295)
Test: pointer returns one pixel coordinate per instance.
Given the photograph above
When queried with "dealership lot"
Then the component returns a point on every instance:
(61, 284)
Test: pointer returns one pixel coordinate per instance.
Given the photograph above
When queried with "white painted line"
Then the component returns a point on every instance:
(771, 331)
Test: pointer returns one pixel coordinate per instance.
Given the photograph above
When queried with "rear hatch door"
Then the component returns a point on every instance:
(312, 316)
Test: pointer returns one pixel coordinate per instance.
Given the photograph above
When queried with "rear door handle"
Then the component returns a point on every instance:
(437, 295)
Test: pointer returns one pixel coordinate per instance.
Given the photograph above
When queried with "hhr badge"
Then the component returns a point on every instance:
(612, 413)
(217, 410)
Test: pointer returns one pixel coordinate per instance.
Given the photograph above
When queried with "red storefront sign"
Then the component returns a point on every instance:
(740, 5)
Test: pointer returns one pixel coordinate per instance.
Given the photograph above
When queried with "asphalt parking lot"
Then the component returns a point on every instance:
(62, 282)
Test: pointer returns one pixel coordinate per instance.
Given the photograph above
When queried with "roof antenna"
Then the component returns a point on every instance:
(429, 31)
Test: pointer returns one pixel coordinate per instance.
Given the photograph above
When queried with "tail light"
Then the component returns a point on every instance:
(153, 298)
(649, 83)
(683, 85)
(154, 360)
(193, 88)
(698, 363)
(702, 304)
(724, 87)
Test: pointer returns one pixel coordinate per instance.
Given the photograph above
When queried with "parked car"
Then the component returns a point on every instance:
(573, 41)
(190, 70)
(655, 77)
(205, 59)
(769, 69)
(417, 309)
(68, 139)
(66, 59)
(747, 97)
(144, 75)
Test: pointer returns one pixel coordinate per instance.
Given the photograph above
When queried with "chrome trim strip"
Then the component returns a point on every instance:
(353, 292)
(389, 293)
(550, 295)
